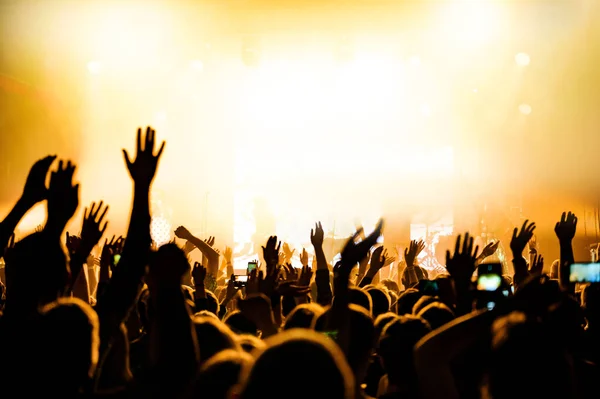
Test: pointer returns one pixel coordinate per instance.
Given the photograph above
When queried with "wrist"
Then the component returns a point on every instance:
(371, 273)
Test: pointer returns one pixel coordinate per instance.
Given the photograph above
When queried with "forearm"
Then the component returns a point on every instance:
(126, 282)
(566, 259)
(76, 264)
(81, 288)
(521, 272)
(321, 259)
(10, 222)
(340, 314)
(366, 280)
(324, 294)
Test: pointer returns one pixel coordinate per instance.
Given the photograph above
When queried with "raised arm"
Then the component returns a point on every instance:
(126, 281)
(207, 250)
(352, 253)
(519, 241)
(35, 191)
(92, 231)
(565, 231)
(324, 293)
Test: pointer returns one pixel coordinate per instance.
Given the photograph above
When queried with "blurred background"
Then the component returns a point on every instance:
(440, 115)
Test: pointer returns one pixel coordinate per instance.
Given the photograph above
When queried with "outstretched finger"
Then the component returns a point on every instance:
(139, 140)
(103, 214)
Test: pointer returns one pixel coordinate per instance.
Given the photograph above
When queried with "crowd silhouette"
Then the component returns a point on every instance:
(144, 322)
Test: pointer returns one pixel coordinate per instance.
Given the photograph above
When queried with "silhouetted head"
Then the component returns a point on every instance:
(303, 316)
(212, 302)
(380, 300)
(391, 285)
(381, 321)
(407, 300)
(362, 338)
(250, 343)
(422, 302)
(396, 346)
(446, 291)
(218, 375)
(436, 314)
(36, 271)
(292, 353)
(213, 337)
(421, 275)
(69, 343)
(526, 354)
(393, 301)
(206, 313)
(240, 324)
(359, 297)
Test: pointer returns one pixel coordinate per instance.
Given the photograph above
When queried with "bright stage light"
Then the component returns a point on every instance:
(522, 59)
(525, 109)
(197, 65)
(415, 60)
(161, 117)
(94, 67)
(160, 230)
(426, 110)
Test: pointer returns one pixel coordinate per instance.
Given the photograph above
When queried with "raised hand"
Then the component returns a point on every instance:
(35, 187)
(537, 266)
(73, 243)
(304, 257)
(198, 273)
(490, 249)
(281, 260)
(305, 276)
(227, 254)
(183, 233)
(533, 247)
(317, 235)
(210, 241)
(288, 252)
(111, 249)
(267, 282)
(143, 168)
(377, 260)
(461, 264)
(63, 196)
(92, 229)
(353, 252)
(521, 238)
(271, 252)
(388, 260)
(566, 228)
(291, 274)
(412, 252)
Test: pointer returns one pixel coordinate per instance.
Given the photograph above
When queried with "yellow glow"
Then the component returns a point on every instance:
(525, 109)
(197, 65)
(522, 59)
(94, 67)
(471, 23)
(417, 104)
